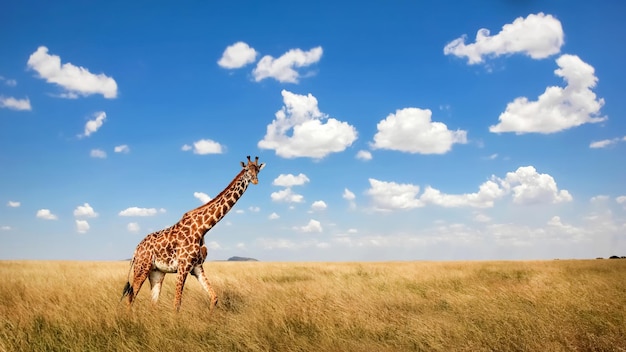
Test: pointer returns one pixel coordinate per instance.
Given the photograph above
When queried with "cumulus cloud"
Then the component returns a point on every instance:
(133, 227)
(487, 193)
(530, 187)
(204, 146)
(318, 205)
(202, 197)
(273, 216)
(391, 195)
(312, 133)
(605, 143)
(364, 155)
(46, 214)
(8, 82)
(558, 108)
(98, 153)
(13, 204)
(525, 185)
(282, 69)
(82, 226)
(136, 211)
(537, 35)
(237, 56)
(85, 210)
(288, 180)
(93, 125)
(15, 104)
(122, 149)
(75, 80)
(411, 130)
(312, 226)
(350, 197)
(287, 195)
(621, 200)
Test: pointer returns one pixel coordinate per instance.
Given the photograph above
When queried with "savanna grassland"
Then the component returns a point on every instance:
(396, 306)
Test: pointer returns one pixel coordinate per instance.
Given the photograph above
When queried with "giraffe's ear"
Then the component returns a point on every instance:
(243, 165)
(261, 166)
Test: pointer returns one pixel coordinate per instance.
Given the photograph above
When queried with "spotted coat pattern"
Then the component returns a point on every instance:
(180, 248)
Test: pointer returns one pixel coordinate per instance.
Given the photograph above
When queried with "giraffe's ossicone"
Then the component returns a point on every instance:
(180, 248)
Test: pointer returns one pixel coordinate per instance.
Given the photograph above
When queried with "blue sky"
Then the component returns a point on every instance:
(391, 130)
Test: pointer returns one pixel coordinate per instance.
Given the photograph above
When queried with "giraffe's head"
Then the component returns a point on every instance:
(252, 169)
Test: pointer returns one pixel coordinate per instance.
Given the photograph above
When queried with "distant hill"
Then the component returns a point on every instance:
(241, 259)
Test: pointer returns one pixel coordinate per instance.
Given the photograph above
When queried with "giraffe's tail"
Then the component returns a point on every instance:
(128, 289)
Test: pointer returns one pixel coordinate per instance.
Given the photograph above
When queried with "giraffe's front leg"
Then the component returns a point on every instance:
(180, 284)
(198, 272)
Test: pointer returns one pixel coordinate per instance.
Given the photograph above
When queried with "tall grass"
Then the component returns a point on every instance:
(396, 306)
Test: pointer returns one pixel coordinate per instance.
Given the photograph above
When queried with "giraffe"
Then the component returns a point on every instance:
(180, 248)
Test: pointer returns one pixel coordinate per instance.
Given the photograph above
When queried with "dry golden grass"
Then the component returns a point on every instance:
(396, 306)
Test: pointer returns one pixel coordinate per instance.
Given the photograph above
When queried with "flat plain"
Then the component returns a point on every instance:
(558, 305)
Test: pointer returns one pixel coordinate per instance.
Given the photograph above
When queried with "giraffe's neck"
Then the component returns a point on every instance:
(206, 216)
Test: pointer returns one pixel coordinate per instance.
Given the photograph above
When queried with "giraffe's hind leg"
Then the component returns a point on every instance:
(198, 272)
(140, 274)
(156, 280)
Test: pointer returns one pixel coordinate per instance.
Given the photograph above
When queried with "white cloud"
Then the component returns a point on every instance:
(318, 205)
(85, 211)
(5, 228)
(75, 79)
(310, 135)
(122, 149)
(282, 68)
(599, 199)
(203, 197)
(480, 217)
(606, 143)
(135, 211)
(411, 130)
(537, 36)
(288, 180)
(254, 209)
(93, 125)
(82, 226)
(186, 147)
(364, 155)
(15, 104)
(204, 146)
(213, 245)
(557, 109)
(13, 204)
(530, 187)
(391, 195)
(8, 82)
(621, 200)
(237, 55)
(487, 193)
(133, 227)
(273, 216)
(526, 185)
(312, 226)
(348, 195)
(98, 153)
(46, 214)
(287, 195)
